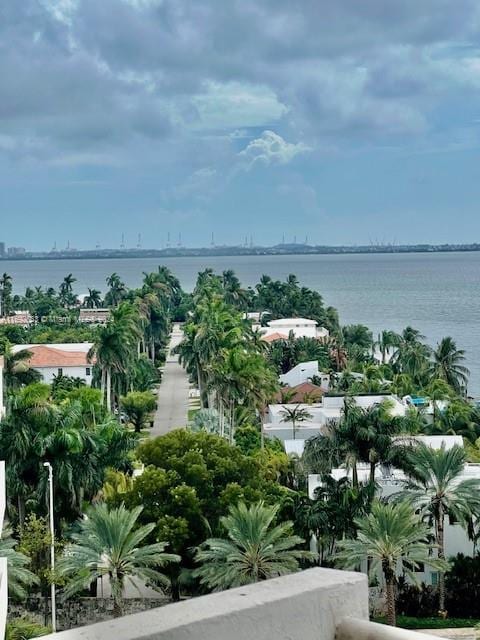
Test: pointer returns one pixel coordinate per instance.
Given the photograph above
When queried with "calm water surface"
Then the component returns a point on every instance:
(436, 293)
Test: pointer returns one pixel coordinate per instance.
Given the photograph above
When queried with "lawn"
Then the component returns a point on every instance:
(407, 622)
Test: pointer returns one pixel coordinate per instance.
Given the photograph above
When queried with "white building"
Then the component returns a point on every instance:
(304, 372)
(3, 561)
(53, 360)
(321, 413)
(391, 481)
(300, 327)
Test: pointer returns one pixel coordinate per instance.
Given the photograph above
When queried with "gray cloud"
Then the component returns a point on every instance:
(84, 74)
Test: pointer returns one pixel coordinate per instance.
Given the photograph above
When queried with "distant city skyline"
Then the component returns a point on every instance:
(349, 122)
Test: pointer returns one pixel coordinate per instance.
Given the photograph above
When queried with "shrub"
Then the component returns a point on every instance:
(462, 584)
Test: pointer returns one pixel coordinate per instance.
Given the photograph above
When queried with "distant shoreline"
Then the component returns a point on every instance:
(278, 250)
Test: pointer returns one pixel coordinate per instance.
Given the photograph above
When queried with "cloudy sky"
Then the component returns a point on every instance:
(348, 121)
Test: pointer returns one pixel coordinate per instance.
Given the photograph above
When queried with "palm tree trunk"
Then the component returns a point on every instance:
(21, 512)
(293, 427)
(109, 388)
(355, 475)
(102, 385)
(441, 555)
(373, 466)
(390, 595)
(117, 607)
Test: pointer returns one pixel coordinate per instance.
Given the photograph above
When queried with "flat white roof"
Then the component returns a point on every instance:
(291, 321)
(83, 347)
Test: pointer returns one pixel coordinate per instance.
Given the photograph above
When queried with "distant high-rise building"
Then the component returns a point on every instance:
(16, 251)
(2, 249)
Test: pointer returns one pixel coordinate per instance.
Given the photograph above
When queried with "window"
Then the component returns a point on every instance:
(434, 578)
(88, 371)
(60, 372)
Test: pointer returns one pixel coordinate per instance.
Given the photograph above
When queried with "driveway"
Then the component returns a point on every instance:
(172, 410)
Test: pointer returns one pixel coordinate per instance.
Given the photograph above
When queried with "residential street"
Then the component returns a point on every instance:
(172, 411)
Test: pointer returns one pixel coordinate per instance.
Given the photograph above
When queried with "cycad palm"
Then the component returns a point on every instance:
(256, 549)
(389, 534)
(435, 488)
(109, 544)
(19, 576)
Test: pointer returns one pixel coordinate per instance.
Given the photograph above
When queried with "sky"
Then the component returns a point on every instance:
(344, 121)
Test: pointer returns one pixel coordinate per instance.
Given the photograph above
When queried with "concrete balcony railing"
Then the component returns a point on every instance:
(318, 604)
(303, 606)
(3, 561)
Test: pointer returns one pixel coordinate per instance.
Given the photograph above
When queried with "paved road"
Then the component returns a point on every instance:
(172, 411)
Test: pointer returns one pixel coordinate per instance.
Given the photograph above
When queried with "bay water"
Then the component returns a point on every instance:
(437, 293)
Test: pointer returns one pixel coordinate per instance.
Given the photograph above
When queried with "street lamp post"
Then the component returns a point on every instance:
(52, 544)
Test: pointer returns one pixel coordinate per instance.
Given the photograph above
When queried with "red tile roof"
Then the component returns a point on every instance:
(43, 356)
(273, 337)
(299, 392)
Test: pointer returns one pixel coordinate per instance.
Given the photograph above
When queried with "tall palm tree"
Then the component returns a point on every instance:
(390, 534)
(6, 288)
(295, 415)
(255, 550)
(109, 543)
(115, 346)
(66, 295)
(386, 342)
(448, 365)
(93, 300)
(435, 487)
(116, 292)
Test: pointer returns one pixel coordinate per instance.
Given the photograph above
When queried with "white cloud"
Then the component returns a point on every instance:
(234, 105)
(61, 10)
(271, 148)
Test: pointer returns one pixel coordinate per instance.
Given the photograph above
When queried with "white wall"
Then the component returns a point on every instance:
(456, 538)
(303, 372)
(48, 373)
(303, 606)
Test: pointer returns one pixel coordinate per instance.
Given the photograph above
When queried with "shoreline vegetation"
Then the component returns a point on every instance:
(219, 489)
(232, 251)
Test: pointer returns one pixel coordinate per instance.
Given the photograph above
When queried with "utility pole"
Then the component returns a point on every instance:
(52, 543)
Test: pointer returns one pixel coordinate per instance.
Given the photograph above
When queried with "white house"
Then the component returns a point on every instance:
(391, 481)
(304, 372)
(53, 360)
(300, 327)
(3, 561)
(321, 413)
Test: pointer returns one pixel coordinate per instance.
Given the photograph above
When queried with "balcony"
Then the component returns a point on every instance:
(318, 604)
(3, 561)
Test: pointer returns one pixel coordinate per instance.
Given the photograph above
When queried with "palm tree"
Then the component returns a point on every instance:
(295, 415)
(19, 576)
(390, 534)
(115, 346)
(386, 341)
(93, 300)
(116, 291)
(435, 487)
(447, 365)
(17, 372)
(6, 294)
(109, 543)
(66, 290)
(255, 550)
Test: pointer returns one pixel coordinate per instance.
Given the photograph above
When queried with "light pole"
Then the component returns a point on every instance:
(52, 544)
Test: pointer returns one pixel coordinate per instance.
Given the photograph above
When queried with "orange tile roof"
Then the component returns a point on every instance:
(311, 391)
(43, 356)
(275, 336)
